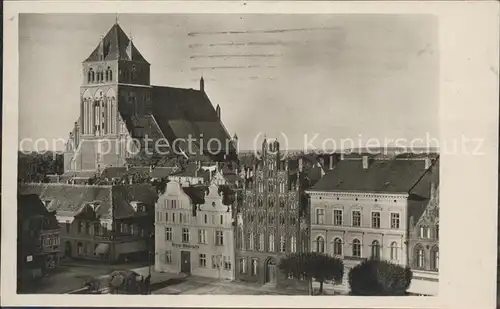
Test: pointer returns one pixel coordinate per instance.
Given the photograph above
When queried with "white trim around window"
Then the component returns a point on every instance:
(334, 221)
(360, 217)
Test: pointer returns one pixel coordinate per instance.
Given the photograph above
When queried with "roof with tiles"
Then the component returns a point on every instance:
(114, 47)
(382, 176)
(69, 200)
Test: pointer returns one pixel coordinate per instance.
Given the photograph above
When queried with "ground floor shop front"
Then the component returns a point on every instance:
(197, 260)
(105, 250)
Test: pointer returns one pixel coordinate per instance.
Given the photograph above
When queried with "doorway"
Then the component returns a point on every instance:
(185, 262)
(67, 249)
(271, 271)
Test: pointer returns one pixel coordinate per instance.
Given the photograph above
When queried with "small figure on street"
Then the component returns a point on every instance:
(147, 284)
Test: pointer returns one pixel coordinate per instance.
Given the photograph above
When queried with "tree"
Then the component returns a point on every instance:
(380, 278)
(312, 265)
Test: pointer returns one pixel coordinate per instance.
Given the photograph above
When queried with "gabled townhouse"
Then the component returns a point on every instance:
(194, 232)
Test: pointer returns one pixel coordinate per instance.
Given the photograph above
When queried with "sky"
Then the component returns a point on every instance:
(336, 77)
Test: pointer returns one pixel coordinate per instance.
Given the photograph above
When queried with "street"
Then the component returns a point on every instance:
(72, 275)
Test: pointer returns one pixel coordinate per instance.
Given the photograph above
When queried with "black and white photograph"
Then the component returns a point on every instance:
(176, 154)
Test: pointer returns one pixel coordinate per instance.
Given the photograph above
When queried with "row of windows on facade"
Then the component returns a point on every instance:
(187, 217)
(101, 76)
(254, 265)
(338, 246)
(270, 220)
(259, 239)
(202, 236)
(270, 202)
(82, 249)
(218, 262)
(51, 240)
(96, 229)
(338, 218)
(281, 187)
(420, 260)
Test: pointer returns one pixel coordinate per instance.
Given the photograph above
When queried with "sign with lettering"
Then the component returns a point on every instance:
(185, 246)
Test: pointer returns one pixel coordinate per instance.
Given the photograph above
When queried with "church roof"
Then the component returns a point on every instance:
(188, 113)
(115, 44)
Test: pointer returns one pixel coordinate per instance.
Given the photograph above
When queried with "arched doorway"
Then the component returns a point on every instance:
(271, 271)
(67, 249)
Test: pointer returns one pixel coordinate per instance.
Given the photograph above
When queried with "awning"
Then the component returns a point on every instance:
(102, 248)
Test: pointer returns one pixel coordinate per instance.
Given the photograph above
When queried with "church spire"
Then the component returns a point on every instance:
(202, 84)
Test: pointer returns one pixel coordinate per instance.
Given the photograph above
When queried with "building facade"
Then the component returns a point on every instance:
(107, 223)
(194, 232)
(39, 240)
(268, 220)
(360, 210)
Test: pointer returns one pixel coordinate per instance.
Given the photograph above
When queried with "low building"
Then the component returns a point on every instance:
(108, 223)
(194, 232)
(38, 233)
(360, 209)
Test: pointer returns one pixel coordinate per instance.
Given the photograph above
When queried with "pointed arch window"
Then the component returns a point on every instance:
(435, 258)
(419, 257)
(90, 74)
(375, 250)
(320, 244)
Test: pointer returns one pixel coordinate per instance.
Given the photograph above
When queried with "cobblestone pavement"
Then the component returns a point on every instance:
(202, 286)
(72, 275)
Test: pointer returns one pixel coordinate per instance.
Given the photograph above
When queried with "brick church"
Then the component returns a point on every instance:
(118, 104)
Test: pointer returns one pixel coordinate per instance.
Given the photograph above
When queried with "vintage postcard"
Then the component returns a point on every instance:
(287, 154)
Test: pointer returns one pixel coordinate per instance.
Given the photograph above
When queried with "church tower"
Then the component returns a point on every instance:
(115, 90)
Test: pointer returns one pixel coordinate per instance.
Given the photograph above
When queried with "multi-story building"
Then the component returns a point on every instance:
(38, 238)
(423, 240)
(270, 221)
(360, 209)
(109, 223)
(194, 232)
(118, 104)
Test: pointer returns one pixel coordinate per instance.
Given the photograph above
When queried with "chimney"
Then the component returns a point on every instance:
(202, 84)
(217, 111)
(365, 162)
(428, 162)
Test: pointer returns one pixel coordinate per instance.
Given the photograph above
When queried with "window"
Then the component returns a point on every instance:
(293, 244)
(221, 219)
(168, 257)
(80, 227)
(227, 263)
(251, 241)
(166, 217)
(356, 218)
(219, 238)
(185, 235)
(79, 249)
(87, 228)
(394, 251)
(320, 244)
(173, 218)
(435, 259)
(181, 218)
(437, 231)
(356, 248)
(261, 242)
(254, 267)
(376, 220)
(168, 234)
(282, 244)
(375, 250)
(337, 246)
(394, 221)
(202, 236)
(243, 266)
(203, 260)
(419, 252)
(337, 217)
(320, 216)
(271, 242)
(424, 232)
